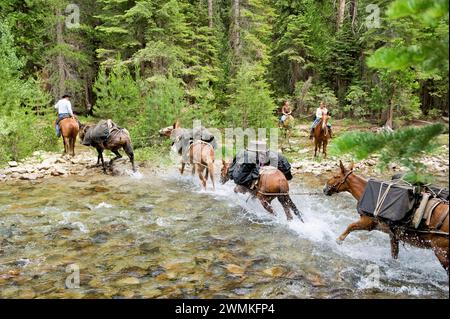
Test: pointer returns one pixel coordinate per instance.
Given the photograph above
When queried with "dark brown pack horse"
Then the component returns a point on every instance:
(118, 138)
(321, 136)
(200, 154)
(271, 184)
(69, 131)
(345, 180)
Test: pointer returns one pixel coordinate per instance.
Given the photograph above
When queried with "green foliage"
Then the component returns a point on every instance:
(250, 102)
(421, 40)
(164, 105)
(21, 134)
(118, 95)
(405, 146)
(356, 99)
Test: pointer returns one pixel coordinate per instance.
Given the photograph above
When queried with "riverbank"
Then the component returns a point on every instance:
(299, 151)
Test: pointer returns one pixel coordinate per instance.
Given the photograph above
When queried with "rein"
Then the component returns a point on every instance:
(282, 194)
(336, 186)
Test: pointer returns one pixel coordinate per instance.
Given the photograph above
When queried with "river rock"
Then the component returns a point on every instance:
(13, 164)
(57, 171)
(29, 177)
(128, 281)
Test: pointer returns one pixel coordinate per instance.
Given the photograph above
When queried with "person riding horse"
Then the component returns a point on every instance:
(64, 108)
(286, 111)
(321, 110)
(244, 170)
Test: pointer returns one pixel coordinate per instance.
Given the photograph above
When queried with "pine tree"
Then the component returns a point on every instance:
(405, 146)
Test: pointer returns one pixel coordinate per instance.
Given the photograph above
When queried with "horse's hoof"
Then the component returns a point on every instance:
(339, 241)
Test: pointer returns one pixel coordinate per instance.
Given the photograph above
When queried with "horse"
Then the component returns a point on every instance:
(347, 180)
(69, 129)
(286, 126)
(321, 136)
(271, 184)
(199, 154)
(118, 138)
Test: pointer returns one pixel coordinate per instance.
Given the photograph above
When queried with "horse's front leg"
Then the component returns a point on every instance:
(118, 156)
(183, 164)
(100, 155)
(394, 246)
(364, 223)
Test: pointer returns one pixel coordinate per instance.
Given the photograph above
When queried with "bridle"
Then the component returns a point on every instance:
(336, 186)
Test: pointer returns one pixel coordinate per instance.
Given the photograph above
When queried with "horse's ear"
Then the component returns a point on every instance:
(352, 165)
(176, 124)
(342, 167)
(223, 162)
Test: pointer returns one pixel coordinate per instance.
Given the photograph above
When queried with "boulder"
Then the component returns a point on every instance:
(29, 177)
(13, 164)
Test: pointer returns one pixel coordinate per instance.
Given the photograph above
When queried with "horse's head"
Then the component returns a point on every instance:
(339, 182)
(224, 171)
(82, 132)
(167, 131)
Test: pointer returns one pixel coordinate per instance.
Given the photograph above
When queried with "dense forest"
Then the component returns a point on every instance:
(229, 63)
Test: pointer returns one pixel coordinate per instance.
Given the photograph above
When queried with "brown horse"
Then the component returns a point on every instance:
(347, 180)
(286, 126)
(271, 184)
(321, 136)
(69, 130)
(199, 154)
(118, 138)
(201, 157)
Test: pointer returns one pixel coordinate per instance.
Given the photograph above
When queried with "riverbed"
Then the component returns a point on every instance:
(159, 235)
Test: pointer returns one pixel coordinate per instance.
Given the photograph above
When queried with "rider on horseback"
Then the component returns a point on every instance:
(321, 110)
(64, 108)
(286, 110)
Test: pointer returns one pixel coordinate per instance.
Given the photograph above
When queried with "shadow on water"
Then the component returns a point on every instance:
(150, 236)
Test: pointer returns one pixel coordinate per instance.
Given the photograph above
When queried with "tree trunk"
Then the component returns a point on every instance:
(235, 33)
(354, 12)
(210, 13)
(390, 112)
(340, 14)
(60, 58)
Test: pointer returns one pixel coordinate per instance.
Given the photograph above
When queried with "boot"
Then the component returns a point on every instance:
(331, 132)
(311, 134)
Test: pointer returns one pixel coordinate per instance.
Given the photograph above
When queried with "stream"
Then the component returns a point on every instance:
(160, 235)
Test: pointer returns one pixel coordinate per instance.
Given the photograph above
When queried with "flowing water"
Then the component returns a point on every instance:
(161, 236)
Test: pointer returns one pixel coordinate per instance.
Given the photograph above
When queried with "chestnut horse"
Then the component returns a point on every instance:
(426, 237)
(271, 181)
(201, 157)
(199, 154)
(286, 127)
(321, 136)
(69, 131)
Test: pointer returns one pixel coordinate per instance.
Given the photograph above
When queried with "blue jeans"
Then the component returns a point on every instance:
(316, 121)
(60, 117)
